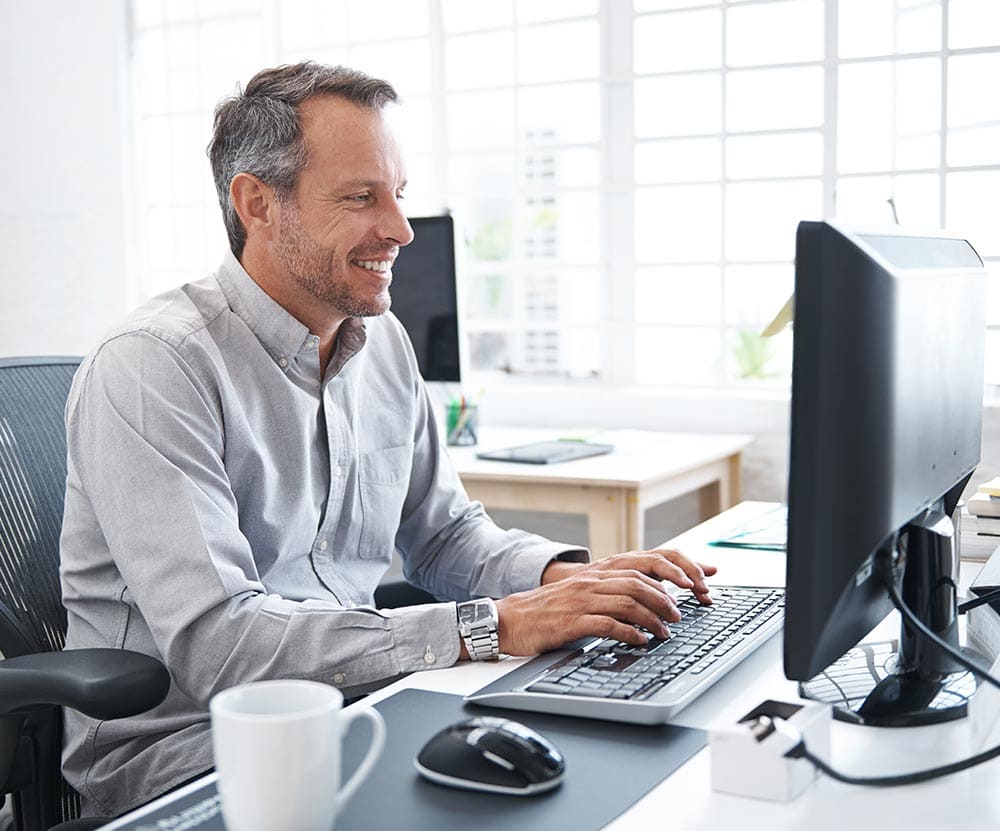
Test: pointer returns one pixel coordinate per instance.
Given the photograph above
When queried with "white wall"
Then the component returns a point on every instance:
(64, 246)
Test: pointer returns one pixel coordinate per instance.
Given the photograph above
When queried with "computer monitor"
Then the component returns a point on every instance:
(424, 296)
(886, 427)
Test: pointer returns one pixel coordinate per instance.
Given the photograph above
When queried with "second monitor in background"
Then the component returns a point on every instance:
(424, 297)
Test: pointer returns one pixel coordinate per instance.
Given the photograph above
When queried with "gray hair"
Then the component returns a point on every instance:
(259, 129)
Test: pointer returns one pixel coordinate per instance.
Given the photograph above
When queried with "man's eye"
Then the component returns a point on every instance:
(362, 197)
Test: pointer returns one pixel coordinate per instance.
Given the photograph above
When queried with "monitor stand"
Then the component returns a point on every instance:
(909, 681)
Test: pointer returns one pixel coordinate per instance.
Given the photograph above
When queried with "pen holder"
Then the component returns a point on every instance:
(462, 424)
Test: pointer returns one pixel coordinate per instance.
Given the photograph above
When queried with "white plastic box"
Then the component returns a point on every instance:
(749, 760)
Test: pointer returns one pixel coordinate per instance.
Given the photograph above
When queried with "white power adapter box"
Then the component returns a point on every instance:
(748, 758)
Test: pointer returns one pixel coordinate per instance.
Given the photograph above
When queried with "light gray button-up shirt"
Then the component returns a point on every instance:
(231, 513)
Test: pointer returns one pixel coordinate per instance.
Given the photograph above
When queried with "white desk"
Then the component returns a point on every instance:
(685, 800)
(969, 800)
(644, 470)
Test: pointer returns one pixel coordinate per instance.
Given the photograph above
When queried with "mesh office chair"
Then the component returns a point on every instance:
(37, 678)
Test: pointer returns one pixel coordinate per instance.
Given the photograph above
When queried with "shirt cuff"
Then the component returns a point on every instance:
(425, 637)
(527, 568)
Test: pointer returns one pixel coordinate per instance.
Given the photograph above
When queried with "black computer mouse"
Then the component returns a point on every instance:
(491, 754)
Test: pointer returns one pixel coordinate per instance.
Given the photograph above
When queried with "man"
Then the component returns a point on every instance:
(245, 452)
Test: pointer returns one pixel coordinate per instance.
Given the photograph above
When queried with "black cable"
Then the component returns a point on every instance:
(800, 751)
(983, 599)
(922, 628)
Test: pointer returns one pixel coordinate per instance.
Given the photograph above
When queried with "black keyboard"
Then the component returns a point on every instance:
(662, 675)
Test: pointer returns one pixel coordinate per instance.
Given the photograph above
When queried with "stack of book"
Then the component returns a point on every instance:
(980, 522)
(983, 622)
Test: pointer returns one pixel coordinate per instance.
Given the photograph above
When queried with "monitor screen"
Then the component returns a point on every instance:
(887, 386)
(424, 297)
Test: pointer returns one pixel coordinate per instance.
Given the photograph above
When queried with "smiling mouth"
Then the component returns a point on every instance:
(377, 266)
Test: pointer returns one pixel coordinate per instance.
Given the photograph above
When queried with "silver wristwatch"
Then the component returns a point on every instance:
(477, 624)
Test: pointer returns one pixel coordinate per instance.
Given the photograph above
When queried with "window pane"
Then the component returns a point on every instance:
(678, 160)
(481, 120)
(561, 114)
(678, 294)
(485, 60)
(310, 23)
(889, 115)
(490, 350)
(570, 168)
(865, 200)
(685, 40)
(678, 224)
(792, 154)
(468, 15)
(487, 227)
(579, 52)
(973, 109)
(487, 173)
(566, 226)
(761, 218)
(973, 23)
(993, 300)
(972, 207)
(678, 106)
(663, 5)
(768, 99)
(884, 27)
(488, 295)
(758, 361)
(756, 293)
(406, 64)
(788, 32)
(992, 368)
(534, 11)
(386, 19)
(413, 124)
(682, 356)
(579, 295)
(581, 351)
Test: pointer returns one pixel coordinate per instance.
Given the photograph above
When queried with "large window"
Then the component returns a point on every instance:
(626, 178)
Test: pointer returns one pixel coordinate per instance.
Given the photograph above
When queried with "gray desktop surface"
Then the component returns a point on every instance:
(609, 766)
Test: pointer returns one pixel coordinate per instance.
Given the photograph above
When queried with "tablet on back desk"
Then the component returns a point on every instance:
(547, 452)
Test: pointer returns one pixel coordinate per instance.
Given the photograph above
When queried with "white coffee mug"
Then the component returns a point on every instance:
(277, 754)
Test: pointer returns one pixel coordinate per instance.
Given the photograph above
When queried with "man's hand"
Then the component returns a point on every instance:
(607, 598)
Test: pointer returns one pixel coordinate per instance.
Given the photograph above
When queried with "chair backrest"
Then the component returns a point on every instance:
(33, 395)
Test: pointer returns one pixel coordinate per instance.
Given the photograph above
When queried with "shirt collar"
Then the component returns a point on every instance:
(282, 335)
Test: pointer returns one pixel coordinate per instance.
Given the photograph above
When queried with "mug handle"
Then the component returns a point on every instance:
(374, 750)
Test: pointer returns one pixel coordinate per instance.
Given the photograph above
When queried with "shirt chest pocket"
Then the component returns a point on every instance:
(383, 480)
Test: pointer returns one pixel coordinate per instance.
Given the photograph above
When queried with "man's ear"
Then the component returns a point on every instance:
(256, 205)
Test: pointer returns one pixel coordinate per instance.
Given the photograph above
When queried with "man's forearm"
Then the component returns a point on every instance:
(559, 570)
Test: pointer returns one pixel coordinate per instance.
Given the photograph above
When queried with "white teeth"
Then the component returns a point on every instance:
(375, 265)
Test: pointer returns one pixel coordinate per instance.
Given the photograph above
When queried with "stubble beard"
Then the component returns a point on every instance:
(312, 268)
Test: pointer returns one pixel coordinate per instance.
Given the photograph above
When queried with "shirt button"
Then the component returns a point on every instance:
(282, 362)
(322, 545)
(429, 657)
(339, 678)
(338, 470)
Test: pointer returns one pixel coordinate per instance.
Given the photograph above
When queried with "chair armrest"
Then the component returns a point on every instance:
(101, 683)
(395, 593)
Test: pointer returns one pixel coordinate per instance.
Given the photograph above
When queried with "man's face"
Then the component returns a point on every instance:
(343, 226)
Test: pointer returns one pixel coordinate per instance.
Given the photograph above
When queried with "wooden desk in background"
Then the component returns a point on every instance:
(645, 469)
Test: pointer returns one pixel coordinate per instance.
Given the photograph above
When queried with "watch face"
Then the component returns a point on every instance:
(472, 613)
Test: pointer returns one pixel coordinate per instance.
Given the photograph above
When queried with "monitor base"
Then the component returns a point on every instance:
(865, 687)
